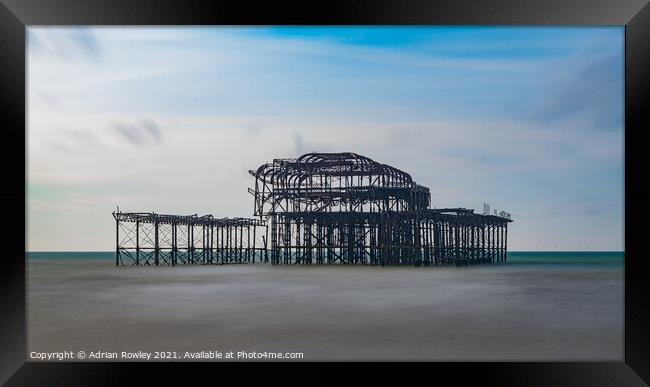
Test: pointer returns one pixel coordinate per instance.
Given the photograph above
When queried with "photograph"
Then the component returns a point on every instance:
(325, 193)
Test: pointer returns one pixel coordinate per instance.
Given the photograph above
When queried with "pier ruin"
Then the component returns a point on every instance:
(157, 239)
(321, 208)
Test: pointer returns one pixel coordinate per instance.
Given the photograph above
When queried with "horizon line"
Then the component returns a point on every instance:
(509, 251)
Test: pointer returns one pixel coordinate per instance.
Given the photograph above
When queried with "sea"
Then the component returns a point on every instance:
(518, 258)
(539, 306)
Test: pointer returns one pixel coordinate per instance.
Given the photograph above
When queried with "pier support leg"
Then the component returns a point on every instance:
(117, 242)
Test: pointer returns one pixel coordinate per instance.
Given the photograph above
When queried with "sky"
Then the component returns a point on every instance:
(170, 120)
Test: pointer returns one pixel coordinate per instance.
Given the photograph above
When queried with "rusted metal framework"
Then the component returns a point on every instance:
(334, 182)
(346, 208)
(323, 208)
(157, 239)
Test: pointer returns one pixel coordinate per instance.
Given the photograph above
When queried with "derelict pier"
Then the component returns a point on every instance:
(321, 208)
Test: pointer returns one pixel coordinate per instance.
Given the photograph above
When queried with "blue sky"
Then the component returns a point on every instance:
(527, 119)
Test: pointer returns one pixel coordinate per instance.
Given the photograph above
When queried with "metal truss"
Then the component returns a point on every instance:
(157, 239)
(346, 208)
(341, 182)
(323, 208)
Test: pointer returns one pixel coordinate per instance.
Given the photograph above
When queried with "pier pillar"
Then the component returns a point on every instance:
(137, 242)
(156, 245)
(117, 242)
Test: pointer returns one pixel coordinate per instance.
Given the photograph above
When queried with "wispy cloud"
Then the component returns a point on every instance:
(139, 133)
(64, 44)
(71, 141)
(591, 90)
(153, 129)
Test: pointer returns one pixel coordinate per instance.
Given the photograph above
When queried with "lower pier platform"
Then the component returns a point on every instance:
(428, 237)
(147, 238)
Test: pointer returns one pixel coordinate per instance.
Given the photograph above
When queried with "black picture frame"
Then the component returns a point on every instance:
(16, 15)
